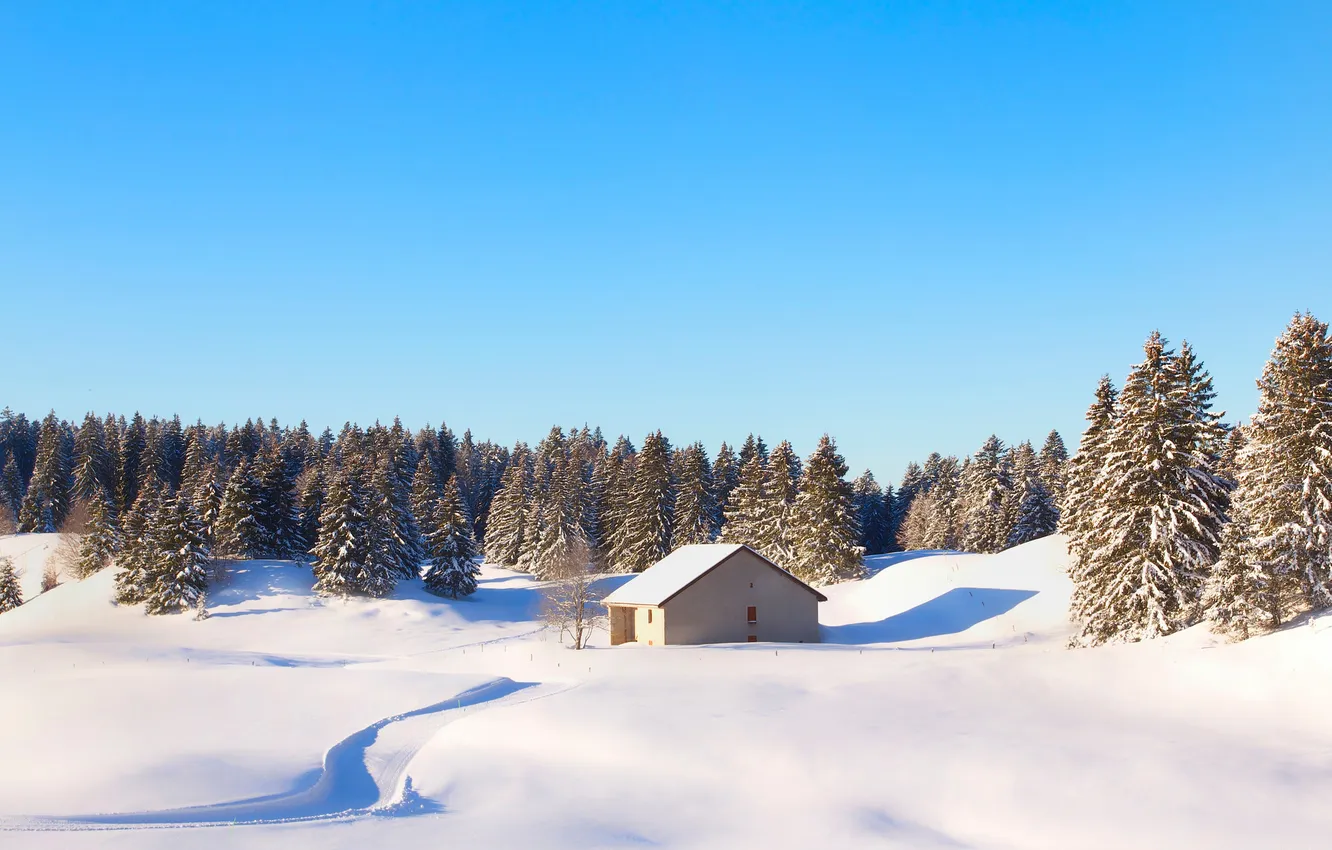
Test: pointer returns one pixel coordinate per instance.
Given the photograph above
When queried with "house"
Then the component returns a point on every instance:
(714, 593)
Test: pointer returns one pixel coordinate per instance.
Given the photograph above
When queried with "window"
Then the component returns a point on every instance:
(649, 616)
(753, 614)
(752, 639)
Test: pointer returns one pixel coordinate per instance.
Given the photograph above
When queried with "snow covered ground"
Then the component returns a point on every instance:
(942, 711)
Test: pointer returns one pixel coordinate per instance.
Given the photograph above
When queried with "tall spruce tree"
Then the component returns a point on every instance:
(92, 465)
(725, 478)
(827, 538)
(343, 562)
(872, 514)
(1159, 507)
(744, 509)
(176, 570)
(645, 533)
(238, 531)
(450, 549)
(775, 532)
(48, 498)
(1281, 563)
(695, 510)
(100, 540)
(138, 548)
(1053, 461)
(504, 539)
(944, 529)
(1080, 495)
(986, 518)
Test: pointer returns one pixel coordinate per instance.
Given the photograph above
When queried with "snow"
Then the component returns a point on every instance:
(942, 711)
(665, 578)
(671, 574)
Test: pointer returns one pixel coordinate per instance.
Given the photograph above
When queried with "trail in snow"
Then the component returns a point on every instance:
(365, 773)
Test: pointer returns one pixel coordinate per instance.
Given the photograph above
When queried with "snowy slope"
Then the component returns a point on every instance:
(30, 553)
(943, 712)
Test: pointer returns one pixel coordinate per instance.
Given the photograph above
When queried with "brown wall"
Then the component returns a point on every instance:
(713, 609)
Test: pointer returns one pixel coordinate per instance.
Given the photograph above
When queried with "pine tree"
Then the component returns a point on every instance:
(133, 443)
(101, 537)
(237, 531)
(205, 495)
(425, 494)
(695, 511)
(775, 532)
(985, 498)
(872, 514)
(1036, 515)
(393, 536)
(561, 512)
(1282, 562)
(275, 507)
(619, 474)
(944, 530)
(343, 564)
(91, 463)
(177, 574)
(1080, 497)
(646, 530)
(310, 504)
(504, 539)
(450, 549)
(744, 508)
(1053, 461)
(138, 549)
(11, 488)
(827, 547)
(725, 478)
(48, 497)
(11, 595)
(1156, 527)
(914, 532)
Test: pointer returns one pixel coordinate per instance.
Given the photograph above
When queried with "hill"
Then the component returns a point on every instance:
(942, 711)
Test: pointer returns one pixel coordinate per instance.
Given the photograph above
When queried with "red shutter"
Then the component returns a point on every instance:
(753, 614)
(752, 639)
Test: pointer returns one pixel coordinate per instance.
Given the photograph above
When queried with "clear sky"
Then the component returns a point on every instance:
(906, 224)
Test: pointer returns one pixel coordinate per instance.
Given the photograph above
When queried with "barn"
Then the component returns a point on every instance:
(714, 593)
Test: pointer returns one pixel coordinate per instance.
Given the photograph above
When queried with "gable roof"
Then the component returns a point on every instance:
(665, 579)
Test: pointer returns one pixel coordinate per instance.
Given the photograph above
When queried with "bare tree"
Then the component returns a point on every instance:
(571, 600)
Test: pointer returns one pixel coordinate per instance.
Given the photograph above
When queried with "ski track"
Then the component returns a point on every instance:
(356, 780)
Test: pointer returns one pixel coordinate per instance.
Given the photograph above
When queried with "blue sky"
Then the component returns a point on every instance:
(909, 225)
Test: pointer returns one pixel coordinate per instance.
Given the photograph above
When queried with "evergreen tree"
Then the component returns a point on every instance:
(751, 448)
(504, 540)
(1053, 461)
(310, 503)
(275, 507)
(92, 465)
(915, 530)
(1282, 560)
(11, 595)
(343, 564)
(695, 511)
(872, 514)
(775, 532)
(425, 494)
(618, 482)
(48, 497)
(450, 549)
(176, 575)
(744, 509)
(827, 547)
(944, 530)
(645, 534)
(1037, 515)
(237, 531)
(393, 534)
(1156, 527)
(138, 549)
(1080, 495)
(985, 499)
(101, 537)
(11, 488)
(133, 443)
(725, 478)
(561, 512)
(205, 495)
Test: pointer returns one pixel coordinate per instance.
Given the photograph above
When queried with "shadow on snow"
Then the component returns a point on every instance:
(955, 611)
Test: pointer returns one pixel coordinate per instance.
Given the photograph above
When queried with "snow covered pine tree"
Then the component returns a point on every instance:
(450, 549)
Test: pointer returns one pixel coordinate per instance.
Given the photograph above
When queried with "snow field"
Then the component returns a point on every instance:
(910, 732)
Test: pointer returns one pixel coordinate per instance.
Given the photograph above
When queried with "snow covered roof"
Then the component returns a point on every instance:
(659, 582)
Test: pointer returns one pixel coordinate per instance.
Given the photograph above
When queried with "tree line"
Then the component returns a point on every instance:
(1174, 518)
